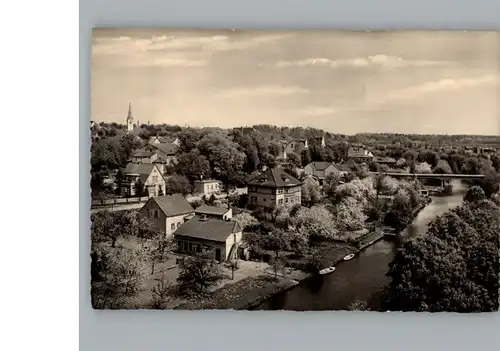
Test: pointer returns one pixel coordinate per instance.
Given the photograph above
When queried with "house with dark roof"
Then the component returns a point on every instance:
(222, 236)
(216, 212)
(320, 170)
(167, 213)
(142, 177)
(274, 187)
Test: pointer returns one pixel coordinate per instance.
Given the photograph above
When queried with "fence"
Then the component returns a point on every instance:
(119, 201)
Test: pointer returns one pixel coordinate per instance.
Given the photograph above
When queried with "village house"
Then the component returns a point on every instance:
(163, 155)
(142, 177)
(274, 187)
(222, 236)
(360, 155)
(167, 213)
(207, 187)
(321, 170)
(216, 212)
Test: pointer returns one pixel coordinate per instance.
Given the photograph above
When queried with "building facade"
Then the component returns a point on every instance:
(321, 170)
(207, 187)
(221, 236)
(167, 213)
(142, 177)
(274, 187)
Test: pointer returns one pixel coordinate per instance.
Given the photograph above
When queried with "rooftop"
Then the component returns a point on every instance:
(173, 205)
(212, 210)
(207, 181)
(274, 177)
(208, 229)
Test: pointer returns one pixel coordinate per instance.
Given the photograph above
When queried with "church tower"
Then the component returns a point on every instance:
(130, 119)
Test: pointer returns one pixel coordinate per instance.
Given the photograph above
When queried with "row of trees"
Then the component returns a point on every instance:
(454, 267)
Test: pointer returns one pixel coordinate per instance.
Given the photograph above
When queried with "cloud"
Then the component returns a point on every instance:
(400, 95)
(262, 91)
(167, 62)
(438, 86)
(358, 62)
(167, 43)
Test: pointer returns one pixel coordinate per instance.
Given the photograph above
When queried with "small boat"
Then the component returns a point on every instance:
(349, 257)
(327, 270)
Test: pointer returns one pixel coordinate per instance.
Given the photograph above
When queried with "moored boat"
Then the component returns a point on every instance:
(349, 257)
(327, 270)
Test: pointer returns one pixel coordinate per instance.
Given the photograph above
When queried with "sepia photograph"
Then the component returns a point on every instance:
(295, 170)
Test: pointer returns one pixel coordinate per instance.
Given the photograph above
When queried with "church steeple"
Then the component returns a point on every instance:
(129, 110)
(130, 119)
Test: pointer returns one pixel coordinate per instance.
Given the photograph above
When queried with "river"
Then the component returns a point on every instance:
(363, 277)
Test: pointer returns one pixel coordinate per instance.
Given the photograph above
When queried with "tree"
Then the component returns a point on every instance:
(330, 184)
(193, 165)
(305, 156)
(245, 220)
(491, 182)
(316, 222)
(454, 268)
(400, 213)
(117, 275)
(278, 265)
(350, 215)
(474, 193)
(109, 226)
(422, 168)
(198, 273)
(161, 294)
(178, 184)
(311, 191)
(442, 167)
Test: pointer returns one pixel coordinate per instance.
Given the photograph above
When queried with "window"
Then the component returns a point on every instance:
(280, 201)
(178, 224)
(212, 187)
(190, 247)
(198, 248)
(291, 200)
(172, 226)
(156, 214)
(297, 198)
(286, 200)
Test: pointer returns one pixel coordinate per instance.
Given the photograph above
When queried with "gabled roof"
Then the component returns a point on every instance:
(274, 177)
(212, 210)
(172, 205)
(345, 167)
(143, 153)
(321, 166)
(208, 229)
(141, 169)
(166, 148)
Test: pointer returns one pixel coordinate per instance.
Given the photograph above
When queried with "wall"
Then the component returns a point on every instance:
(206, 188)
(159, 182)
(331, 169)
(261, 196)
(183, 245)
(160, 221)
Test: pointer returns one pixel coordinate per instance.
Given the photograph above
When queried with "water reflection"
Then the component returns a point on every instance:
(363, 277)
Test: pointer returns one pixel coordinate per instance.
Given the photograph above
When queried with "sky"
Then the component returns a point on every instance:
(342, 82)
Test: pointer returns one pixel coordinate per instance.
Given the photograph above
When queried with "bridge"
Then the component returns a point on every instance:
(441, 176)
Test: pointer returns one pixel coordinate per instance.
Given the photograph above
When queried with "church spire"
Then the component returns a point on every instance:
(129, 110)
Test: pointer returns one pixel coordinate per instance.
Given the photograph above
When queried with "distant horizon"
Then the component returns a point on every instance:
(397, 82)
(304, 127)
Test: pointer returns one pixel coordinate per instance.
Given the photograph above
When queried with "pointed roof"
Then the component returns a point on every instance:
(275, 177)
(321, 166)
(129, 116)
(173, 205)
(143, 170)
